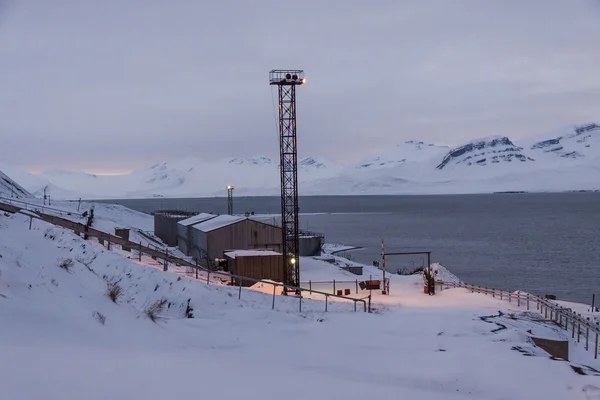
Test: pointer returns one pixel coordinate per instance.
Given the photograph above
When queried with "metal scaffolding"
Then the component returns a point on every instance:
(286, 81)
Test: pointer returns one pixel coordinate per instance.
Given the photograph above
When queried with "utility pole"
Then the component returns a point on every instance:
(383, 291)
(229, 200)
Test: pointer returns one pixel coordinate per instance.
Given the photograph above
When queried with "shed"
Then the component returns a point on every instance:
(257, 264)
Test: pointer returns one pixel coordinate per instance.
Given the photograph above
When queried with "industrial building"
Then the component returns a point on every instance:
(207, 236)
(166, 224)
(256, 264)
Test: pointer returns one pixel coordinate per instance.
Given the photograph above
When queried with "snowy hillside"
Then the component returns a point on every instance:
(408, 152)
(9, 188)
(567, 159)
(73, 335)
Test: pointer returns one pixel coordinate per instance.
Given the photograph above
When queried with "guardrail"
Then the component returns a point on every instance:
(365, 301)
(163, 254)
(565, 317)
(37, 207)
(335, 285)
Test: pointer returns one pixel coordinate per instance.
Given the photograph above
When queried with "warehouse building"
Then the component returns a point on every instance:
(166, 225)
(207, 236)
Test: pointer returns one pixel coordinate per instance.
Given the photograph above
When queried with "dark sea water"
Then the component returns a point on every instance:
(540, 243)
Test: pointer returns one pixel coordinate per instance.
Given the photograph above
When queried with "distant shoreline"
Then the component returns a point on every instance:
(346, 249)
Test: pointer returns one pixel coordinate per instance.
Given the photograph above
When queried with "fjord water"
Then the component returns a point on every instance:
(539, 243)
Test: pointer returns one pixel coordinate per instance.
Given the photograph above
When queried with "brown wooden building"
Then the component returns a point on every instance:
(257, 264)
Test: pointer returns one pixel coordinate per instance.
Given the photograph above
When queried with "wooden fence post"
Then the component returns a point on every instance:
(578, 328)
(356, 286)
(587, 334)
(273, 305)
(596, 351)
(334, 286)
(140, 254)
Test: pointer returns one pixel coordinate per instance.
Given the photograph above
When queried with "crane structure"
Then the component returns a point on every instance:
(286, 82)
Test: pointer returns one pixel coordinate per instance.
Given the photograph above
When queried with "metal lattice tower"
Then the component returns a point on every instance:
(230, 200)
(286, 81)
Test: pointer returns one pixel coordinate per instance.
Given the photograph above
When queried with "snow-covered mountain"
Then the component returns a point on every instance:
(567, 159)
(575, 142)
(407, 152)
(486, 151)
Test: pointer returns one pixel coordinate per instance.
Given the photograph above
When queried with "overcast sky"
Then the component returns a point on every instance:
(114, 85)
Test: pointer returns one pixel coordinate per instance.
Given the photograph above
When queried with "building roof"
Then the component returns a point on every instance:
(218, 222)
(251, 253)
(202, 217)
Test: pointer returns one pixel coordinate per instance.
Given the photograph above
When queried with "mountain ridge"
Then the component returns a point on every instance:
(411, 166)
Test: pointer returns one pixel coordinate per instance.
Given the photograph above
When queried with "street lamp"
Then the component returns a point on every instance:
(229, 199)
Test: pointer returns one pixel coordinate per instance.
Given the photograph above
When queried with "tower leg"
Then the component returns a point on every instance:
(289, 184)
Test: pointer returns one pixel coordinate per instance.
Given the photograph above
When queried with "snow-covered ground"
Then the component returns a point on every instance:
(563, 160)
(62, 337)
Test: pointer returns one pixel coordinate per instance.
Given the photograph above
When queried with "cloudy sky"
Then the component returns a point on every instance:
(113, 85)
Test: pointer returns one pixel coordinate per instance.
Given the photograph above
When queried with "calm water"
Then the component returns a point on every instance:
(541, 243)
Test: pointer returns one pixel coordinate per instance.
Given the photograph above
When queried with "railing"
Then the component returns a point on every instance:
(336, 285)
(565, 317)
(365, 301)
(36, 207)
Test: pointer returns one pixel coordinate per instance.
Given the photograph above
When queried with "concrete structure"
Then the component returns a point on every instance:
(208, 236)
(310, 245)
(257, 264)
(165, 225)
(556, 348)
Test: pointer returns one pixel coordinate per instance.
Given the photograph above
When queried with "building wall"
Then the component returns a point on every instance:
(257, 267)
(166, 227)
(197, 241)
(243, 235)
(310, 246)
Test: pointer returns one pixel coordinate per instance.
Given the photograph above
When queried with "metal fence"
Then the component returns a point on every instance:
(346, 286)
(37, 207)
(580, 326)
